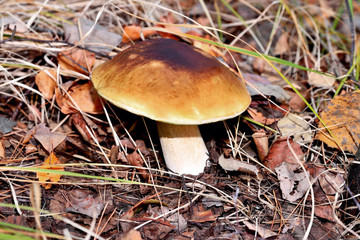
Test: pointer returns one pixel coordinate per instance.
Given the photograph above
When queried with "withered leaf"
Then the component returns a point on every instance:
(77, 60)
(341, 116)
(52, 163)
(231, 164)
(84, 95)
(49, 140)
(280, 152)
(46, 82)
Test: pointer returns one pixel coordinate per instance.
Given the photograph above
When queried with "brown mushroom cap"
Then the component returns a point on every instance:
(172, 82)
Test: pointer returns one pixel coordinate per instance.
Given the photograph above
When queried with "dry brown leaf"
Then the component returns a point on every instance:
(231, 164)
(46, 82)
(133, 32)
(282, 45)
(49, 140)
(263, 232)
(296, 103)
(341, 116)
(280, 152)
(331, 183)
(320, 80)
(2, 150)
(136, 160)
(77, 60)
(200, 215)
(325, 211)
(30, 149)
(84, 95)
(51, 163)
(131, 235)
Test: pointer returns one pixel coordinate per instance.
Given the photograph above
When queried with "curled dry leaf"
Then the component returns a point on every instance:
(293, 184)
(280, 152)
(46, 82)
(77, 60)
(133, 32)
(231, 164)
(51, 163)
(341, 116)
(84, 95)
(201, 215)
(136, 160)
(49, 140)
(262, 144)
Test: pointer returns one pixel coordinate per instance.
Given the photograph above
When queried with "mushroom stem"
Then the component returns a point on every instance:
(183, 148)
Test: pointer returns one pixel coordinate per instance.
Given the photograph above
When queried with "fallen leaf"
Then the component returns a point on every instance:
(211, 201)
(77, 60)
(6, 125)
(84, 95)
(262, 144)
(331, 183)
(231, 164)
(341, 116)
(201, 215)
(29, 148)
(280, 152)
(293, 184)
(133, 32)
(98, 38)
(49, 140)
(2, 149)
(325, 211)
(87, 202)
(263, 232)
(258, 84)
(136, 160)
(46, 82)
(130, 235)
(294, 125)
(320, 80)
(296, 103)
(51, 163)
(282, 45)
(260, 117)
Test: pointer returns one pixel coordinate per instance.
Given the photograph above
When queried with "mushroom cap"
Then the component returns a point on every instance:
(171, 82)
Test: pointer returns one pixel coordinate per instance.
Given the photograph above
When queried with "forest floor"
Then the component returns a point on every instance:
(74, 166)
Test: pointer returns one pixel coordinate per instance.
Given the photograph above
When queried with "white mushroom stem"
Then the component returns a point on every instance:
(183, 148)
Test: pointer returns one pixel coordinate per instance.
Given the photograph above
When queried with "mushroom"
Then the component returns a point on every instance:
(178, 86)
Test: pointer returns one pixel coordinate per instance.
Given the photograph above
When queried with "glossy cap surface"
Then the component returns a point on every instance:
(172, 82)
